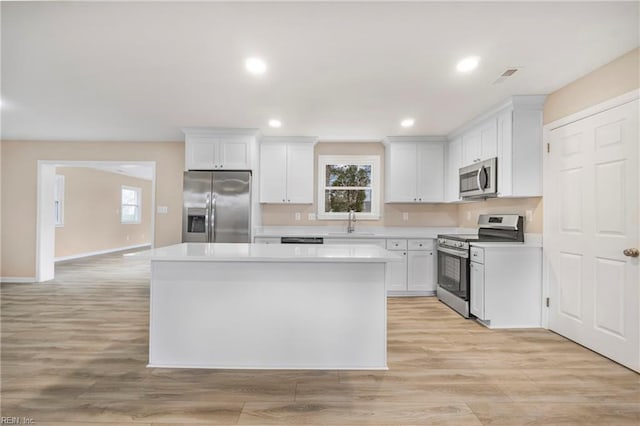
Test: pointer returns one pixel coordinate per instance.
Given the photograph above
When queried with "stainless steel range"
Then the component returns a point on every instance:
(453, 256)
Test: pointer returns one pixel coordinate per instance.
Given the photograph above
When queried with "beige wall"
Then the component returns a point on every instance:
(19, 173)
(419, 214)
(468, 213)
(615, 78)
(92, 212)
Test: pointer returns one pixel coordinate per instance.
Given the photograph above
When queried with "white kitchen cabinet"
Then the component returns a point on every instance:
(420, 271)
(396, 278)
(506, 285)
(512, 132)
(286, 170)
(520, 151)
(480, 143)
(414, 170)
(218, 149)
(452, 177)
(416, 275)
(266, 240)
(476, 276)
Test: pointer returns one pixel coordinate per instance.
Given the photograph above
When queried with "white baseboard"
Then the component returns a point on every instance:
(97, 253)
(18, 280)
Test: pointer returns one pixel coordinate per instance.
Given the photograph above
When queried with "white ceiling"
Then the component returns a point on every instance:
(341, 71)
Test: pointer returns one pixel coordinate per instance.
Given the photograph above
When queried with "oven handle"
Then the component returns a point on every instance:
(457, 253)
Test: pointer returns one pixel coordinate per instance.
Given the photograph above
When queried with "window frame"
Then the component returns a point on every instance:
(138, 206)
(58, 201)
(360, 160)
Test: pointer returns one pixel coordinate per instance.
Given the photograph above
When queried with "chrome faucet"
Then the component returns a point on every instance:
(352, 221)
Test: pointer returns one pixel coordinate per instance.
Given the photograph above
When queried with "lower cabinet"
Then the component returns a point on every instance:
(506, 286)
(476, 298)
(415, 275)
(266, 240)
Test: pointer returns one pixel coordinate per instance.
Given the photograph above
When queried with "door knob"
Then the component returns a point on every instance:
(631, 252)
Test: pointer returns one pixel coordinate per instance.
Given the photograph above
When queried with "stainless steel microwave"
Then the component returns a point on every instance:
(479, 180)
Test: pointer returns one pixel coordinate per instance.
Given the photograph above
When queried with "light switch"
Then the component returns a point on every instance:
(312, 216)
(162, 209)
(405, 216)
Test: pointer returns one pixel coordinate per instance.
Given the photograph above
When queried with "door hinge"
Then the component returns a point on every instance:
(548, 147)
(547, 302)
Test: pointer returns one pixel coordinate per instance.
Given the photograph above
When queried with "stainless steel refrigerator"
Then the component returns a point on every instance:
(217, 207)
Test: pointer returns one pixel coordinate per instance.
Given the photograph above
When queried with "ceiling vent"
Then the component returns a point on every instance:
(506, 74)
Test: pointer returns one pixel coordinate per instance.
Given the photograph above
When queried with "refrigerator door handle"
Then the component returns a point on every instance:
(212, 238)
(206, 217)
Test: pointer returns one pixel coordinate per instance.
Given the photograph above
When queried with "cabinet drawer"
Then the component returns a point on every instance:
(396, 244)
(426, 244)
(477, 254)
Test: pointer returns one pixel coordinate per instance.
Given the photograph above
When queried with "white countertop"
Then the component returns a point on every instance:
(364, 232)
(205, 252)
(526, 244)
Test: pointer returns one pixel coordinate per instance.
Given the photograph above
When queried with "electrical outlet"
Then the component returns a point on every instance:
(529, 215)
(297, 215)
(405, 216)
(312, 216)
(468, 215)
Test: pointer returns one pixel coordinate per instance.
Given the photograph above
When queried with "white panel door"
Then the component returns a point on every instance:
(591, 216)
(402, 173)
(273, 172)
(430, 172)
(300, 173)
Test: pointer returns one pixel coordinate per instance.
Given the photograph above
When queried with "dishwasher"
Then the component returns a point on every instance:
(301, 240)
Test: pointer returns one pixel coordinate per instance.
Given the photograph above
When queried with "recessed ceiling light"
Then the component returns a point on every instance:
(255, 66)
(468, 64)
(275, 123)
(407, 122)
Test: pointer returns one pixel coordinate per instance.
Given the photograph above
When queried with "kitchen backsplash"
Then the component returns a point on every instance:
(468, 213)
(456, 215)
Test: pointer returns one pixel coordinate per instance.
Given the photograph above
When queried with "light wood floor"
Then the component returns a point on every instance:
(75, 350)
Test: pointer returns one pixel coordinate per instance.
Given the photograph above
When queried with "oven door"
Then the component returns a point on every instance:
(453, 271)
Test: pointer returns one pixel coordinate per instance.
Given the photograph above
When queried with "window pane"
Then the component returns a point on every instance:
(341, 200)
(129, 196)
(348, 175)
(129, 214)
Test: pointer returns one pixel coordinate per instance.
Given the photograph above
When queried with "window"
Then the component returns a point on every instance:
(348, 182)
(58, 200)
(131, 203)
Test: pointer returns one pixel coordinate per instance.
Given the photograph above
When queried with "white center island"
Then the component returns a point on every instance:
(264, 306)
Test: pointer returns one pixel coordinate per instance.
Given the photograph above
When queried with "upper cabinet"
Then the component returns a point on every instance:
(286, 170)
(219, 149)
(452, 170)
(512, 132)
(414, 169)
(480, 143)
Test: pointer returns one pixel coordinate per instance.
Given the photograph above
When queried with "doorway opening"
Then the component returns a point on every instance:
(92, 207)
